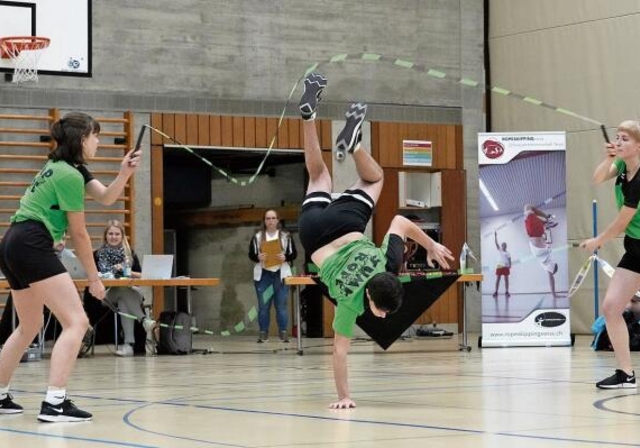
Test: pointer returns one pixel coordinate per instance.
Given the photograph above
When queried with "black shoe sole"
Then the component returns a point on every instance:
(618, 386)
(346, 140)
(311, 96)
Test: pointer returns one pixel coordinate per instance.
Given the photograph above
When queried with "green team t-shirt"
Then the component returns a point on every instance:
(628, 194)
(57, 189)
(346, 274)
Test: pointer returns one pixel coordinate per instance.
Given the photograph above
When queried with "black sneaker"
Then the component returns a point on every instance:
(351, 134)
(263, 337)
(313, 84)
(618, 380)
(283, 337)
(7, 406)
(63, 412)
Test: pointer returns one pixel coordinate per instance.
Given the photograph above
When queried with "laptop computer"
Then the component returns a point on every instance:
(73, 265)
(157, 267)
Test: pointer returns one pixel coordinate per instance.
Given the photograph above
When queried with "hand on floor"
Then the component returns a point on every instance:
(345, 403)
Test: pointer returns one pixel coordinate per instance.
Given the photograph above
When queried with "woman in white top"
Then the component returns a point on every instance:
(272, 249)
(503, 269)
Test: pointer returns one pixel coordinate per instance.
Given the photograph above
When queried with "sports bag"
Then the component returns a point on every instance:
(601, 337)
(172, 340)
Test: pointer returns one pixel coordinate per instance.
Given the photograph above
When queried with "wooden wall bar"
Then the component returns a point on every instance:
(23, 152)
(21, 144)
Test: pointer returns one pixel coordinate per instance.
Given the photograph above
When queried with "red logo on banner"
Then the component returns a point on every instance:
(492, 149)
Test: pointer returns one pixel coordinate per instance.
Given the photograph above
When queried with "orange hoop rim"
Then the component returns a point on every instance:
(17, 44)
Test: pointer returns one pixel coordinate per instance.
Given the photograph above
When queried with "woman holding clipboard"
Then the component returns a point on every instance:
(272, 249)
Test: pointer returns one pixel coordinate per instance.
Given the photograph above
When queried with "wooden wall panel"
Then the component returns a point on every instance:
(157, 216)
(294, 125)
(226, 130)
(301, 135)
(327, 156)
(238, 131)
(168, 127)
(387, 206)
(446, 140)
(180, 131)
(375, 137)
(389, 154)
(261, 132)
(272, 126)
(156, 122)
(328, 313)
(325, 137)
(452, 142)
(250, 132)
(215, 130)
(283, 135)
(453, 219)
(203, 130)
(459, 148)
(192, 130)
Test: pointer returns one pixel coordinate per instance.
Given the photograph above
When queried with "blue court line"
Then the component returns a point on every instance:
(370, 422)
(522, 382)
(81, 439)
(600, 404)
(561, 439)
(127, 421)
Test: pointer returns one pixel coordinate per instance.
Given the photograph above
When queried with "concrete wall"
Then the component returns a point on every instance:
(244, 57)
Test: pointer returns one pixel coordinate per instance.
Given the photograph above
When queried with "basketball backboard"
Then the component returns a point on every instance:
(66, 22)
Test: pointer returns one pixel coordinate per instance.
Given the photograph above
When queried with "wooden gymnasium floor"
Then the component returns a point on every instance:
(421, 394)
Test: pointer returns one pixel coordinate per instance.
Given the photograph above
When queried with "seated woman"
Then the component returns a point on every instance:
(115, 258)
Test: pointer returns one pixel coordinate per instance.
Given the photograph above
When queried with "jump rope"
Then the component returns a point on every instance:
(402, 64)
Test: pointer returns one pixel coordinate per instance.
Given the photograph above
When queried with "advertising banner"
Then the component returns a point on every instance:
(523, 230)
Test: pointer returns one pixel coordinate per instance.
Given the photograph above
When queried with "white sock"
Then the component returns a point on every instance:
(4, 390)
(358, 147)
(55, 395)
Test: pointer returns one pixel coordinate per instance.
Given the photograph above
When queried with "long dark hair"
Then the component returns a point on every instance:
(68, 132)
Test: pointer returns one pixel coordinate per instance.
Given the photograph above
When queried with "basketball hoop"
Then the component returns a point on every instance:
(24, 52)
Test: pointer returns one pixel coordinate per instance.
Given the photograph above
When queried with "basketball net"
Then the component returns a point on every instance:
(24, 53)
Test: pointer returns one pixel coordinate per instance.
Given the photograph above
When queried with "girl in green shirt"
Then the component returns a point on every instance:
(53, 206)
(622, 162)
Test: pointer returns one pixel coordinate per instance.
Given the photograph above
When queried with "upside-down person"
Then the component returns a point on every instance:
(535, 223)
(358, 274)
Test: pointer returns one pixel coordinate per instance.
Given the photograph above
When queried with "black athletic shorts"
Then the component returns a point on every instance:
(323, 220)
(631, 258)
(27, 254)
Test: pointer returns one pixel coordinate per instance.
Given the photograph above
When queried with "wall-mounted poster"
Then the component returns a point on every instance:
(417, 153)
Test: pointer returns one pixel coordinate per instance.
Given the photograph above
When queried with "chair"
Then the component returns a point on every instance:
(97, 312)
